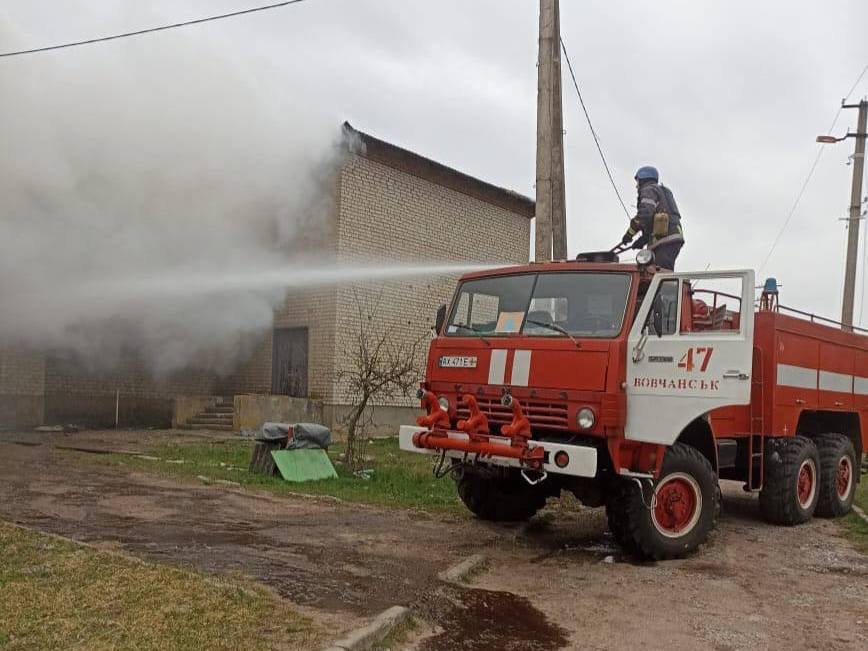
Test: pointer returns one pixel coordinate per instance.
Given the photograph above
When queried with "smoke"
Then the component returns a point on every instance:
(152, 162)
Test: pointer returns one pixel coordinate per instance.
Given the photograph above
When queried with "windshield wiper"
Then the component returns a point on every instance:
(556, 328)
(474, 330)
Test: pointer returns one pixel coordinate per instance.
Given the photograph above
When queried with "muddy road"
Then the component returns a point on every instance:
(558, 583)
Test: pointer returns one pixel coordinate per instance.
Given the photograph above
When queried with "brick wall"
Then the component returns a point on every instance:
(311, 309)
(379, 212)
(22, 387)
(387, 214)
(78, 392)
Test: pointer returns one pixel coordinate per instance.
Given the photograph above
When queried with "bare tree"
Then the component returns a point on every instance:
(382, 365)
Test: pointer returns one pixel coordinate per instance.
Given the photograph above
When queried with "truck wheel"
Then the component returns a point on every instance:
(791, 483)
(683, 507)
(838, 472)
(500, 499)
(616, 511)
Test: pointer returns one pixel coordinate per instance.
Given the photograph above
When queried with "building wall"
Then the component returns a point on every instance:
(314, 310)
(378, 213)
(386, 214)
(86, 396)
(22, 388)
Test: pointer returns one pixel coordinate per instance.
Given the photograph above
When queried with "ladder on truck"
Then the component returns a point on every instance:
(756, 440)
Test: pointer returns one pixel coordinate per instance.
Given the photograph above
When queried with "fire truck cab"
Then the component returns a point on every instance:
(639, 389)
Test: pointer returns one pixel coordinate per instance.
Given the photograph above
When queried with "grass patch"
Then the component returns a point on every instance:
(398, 638)
(55, 594)
(399, 478)
(856, 526)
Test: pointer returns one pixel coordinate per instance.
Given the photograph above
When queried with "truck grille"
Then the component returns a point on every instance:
(546, 415)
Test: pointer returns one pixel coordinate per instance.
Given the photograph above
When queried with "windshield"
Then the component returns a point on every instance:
(546, 305)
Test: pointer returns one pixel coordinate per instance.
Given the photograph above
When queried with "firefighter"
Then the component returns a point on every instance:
(658, 219)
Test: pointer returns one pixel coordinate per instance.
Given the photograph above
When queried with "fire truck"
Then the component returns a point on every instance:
(639, 389)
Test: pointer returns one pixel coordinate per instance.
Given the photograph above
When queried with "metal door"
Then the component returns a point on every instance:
(289, 362)
(676, 374)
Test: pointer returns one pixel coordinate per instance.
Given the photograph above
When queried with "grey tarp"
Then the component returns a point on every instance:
(310, 436)
(273, 432)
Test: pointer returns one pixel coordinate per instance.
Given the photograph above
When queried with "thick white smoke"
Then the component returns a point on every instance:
(150, 162)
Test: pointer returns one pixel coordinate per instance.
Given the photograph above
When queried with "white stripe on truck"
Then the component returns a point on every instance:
(497, 367)
(838, 382)
(520, 368)
(809, 378)
(797, 376)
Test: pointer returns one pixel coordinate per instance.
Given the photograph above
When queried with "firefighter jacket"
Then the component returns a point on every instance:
(657, 216)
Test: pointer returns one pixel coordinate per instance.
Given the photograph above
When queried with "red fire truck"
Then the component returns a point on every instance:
(640, 389)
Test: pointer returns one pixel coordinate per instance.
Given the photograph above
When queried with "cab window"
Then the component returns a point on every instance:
(554, 304)
(663, 317)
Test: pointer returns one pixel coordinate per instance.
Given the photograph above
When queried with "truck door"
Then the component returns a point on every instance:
(690, 351)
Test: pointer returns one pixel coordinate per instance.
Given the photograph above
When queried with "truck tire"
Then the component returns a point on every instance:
(791, 484)
(685, 504)
(500, 499)
(838, 475)
(617, 498)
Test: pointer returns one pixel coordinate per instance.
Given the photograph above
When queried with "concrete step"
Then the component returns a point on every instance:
(205, 420)
(219, 410)
(218, 428)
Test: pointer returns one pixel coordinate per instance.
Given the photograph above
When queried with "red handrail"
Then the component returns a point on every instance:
(814, 318)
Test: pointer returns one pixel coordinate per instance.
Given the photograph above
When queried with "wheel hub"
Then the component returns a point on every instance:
(677, 505)
(844, 479)
(806, 483)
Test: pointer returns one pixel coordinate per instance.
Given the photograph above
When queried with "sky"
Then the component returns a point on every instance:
(725, 98)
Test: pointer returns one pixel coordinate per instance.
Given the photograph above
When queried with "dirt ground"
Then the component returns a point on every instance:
(559, 583)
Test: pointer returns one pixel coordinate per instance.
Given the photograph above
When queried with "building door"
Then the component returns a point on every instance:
(289, 362)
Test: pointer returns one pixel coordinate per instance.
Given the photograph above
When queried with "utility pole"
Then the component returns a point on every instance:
(551, 226)
(855, 214)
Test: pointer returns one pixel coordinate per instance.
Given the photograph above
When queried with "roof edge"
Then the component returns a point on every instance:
(414, 164)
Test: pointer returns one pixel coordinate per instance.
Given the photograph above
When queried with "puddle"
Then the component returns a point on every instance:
(473, 619)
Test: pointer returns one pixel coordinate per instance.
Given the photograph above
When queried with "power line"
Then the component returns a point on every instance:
(793, 209)
(150, 30)
(593, 132)
(810, 172)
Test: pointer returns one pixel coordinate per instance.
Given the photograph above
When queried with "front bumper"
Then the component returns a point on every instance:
(582, 459)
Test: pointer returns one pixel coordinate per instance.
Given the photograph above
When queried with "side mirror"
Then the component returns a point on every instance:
(439, 319)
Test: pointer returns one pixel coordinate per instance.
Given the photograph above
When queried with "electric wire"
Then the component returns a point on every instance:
(150, 30)
(810, 173)
(593, 131)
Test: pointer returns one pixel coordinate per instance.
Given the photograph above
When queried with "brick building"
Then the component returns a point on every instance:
(390, 204)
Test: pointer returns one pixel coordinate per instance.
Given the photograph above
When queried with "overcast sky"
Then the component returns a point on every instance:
(725, 98)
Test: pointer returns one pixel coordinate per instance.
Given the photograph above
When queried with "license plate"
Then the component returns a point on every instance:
(457, 362)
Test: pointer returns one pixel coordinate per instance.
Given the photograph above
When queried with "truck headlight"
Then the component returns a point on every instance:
(585, 419)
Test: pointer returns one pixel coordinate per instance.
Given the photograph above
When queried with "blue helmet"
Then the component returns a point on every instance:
(647, 172)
